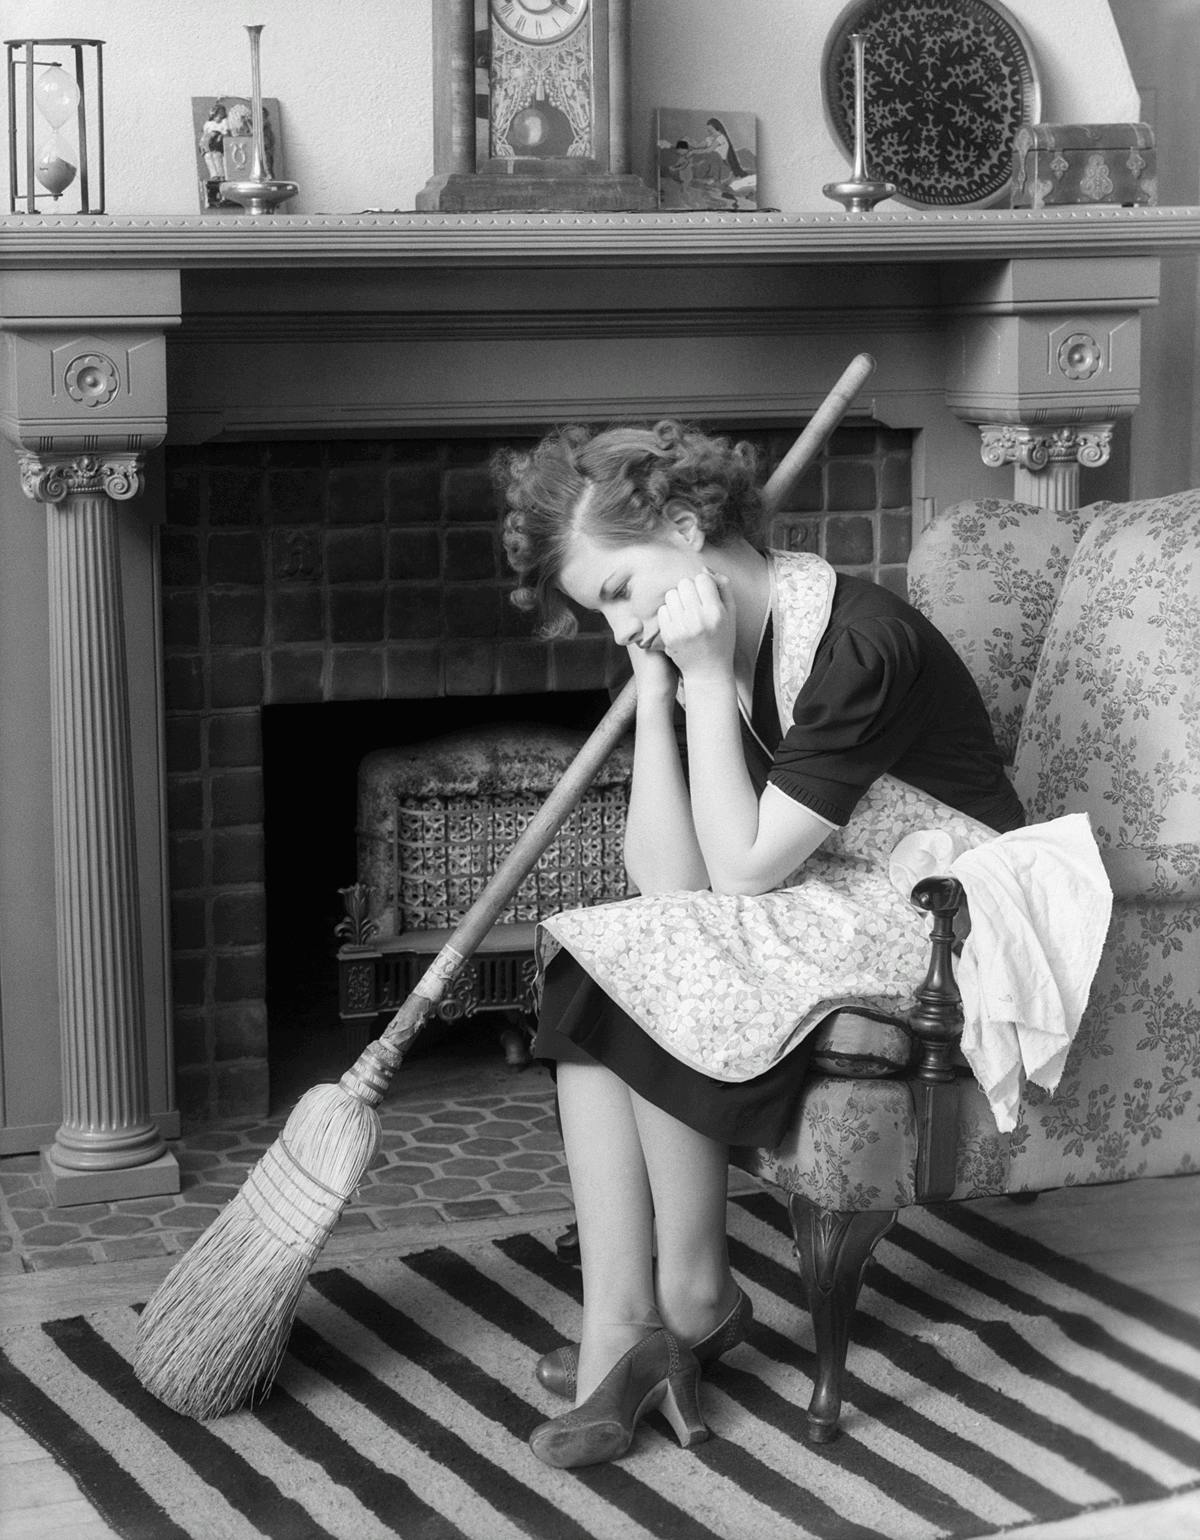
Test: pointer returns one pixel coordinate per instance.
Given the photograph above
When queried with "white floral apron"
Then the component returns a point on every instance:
(728, 983)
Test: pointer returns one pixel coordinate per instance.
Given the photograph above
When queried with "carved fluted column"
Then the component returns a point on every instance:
(108, 1146)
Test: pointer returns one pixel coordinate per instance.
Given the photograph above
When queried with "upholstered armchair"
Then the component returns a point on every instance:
(1083, 631)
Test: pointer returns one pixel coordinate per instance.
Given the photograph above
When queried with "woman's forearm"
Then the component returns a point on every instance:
(750, 844)
(661, 850)
(724, 802)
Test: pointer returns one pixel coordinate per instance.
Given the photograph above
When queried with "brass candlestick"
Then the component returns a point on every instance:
(258, 193)
(860, 193)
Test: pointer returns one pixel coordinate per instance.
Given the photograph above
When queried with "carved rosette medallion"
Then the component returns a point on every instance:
(92, 379)
(1079, 356)
(53, 480)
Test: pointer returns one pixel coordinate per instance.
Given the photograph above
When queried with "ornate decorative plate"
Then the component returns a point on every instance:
(947, 83)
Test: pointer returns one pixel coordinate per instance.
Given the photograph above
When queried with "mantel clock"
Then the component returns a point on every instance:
(530, 107)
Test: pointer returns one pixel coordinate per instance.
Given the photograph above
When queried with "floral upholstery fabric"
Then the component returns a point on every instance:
(1128, 1104)
(852, 1145)
(1112, 726)
(987, 574)
(1098, 690)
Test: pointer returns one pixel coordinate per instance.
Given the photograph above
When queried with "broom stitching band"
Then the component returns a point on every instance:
(280, 1186)
(315, 1181)
(288, 1200)
(301, 1232)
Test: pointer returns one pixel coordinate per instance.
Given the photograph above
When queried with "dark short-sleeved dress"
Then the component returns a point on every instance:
(886, 695)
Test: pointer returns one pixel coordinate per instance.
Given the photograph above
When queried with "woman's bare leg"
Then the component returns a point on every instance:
(614, 1212)
(688, 1175)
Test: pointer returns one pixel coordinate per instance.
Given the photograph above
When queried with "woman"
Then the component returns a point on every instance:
(720, 170)
(825, 718)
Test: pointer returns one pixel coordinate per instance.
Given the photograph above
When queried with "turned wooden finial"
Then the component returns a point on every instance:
(937, 1018)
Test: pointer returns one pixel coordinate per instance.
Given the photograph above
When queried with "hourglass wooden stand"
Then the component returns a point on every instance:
(79, 166)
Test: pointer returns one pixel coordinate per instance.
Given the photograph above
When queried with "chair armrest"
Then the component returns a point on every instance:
(937, 1022)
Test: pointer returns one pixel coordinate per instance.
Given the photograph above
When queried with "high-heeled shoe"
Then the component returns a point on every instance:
(557, 1369)
(657, 1373)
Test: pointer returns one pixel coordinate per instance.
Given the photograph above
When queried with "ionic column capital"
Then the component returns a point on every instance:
(54, 478)
(1046, 457)
(1034, 448)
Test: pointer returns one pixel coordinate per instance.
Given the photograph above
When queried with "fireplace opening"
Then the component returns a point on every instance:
(311, 759)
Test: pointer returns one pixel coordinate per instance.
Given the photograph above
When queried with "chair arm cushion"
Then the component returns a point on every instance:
(861, 1046)
(1164, 873)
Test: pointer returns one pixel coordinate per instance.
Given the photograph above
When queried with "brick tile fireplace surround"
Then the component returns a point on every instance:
(318, 536)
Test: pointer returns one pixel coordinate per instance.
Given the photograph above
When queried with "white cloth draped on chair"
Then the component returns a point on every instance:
(1040, 905)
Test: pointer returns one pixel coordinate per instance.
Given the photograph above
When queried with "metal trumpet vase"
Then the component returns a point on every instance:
(258, 193)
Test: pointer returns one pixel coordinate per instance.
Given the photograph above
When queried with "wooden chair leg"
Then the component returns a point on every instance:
(833, 1248)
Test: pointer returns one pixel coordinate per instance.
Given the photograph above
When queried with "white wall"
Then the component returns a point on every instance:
(1165, 58)
(353, 80)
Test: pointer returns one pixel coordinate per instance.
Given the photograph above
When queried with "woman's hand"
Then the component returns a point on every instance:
(696, 625)
(657, 677)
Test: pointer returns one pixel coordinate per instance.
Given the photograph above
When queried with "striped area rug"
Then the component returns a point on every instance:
(992, 1383)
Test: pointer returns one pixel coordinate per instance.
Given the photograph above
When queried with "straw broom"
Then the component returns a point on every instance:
(215, 1331)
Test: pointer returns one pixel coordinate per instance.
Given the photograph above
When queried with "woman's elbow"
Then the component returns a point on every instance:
(749, 878)
(741, 885)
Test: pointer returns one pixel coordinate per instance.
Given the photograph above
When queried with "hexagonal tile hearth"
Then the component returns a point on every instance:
(473, 1154)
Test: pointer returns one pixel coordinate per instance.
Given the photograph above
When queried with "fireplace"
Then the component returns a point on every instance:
(326, 599)
(301, 370)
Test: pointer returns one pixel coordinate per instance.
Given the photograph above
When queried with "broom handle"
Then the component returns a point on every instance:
(537, 835)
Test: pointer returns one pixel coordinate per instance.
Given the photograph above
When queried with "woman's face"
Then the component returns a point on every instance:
(627, 583)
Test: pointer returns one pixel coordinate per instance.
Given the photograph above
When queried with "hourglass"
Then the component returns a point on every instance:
(59, 138)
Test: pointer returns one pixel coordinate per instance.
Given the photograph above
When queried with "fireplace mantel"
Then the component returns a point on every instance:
(262, 327)
(1008, 335)
(53, 242)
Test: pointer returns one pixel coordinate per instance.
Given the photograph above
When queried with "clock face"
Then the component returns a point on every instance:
(538, 21)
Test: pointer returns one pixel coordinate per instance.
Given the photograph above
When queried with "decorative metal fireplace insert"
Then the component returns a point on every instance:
(434, 821)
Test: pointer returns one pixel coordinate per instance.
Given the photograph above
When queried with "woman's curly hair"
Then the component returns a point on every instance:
(614, 485)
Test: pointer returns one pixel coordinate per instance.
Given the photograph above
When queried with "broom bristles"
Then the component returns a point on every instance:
(214, 1333)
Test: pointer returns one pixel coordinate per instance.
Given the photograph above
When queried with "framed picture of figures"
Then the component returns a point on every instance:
(706, 160)
(223, 137)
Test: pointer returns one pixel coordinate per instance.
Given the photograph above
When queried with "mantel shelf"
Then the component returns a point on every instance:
(398, 240)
